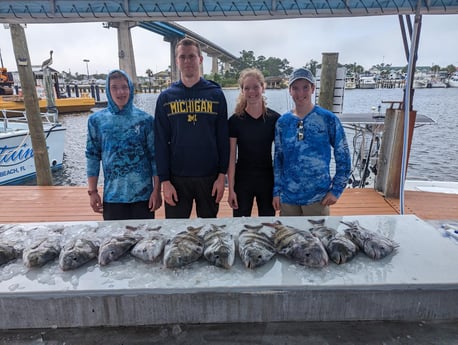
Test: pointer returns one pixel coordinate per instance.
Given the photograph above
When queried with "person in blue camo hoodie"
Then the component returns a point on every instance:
(121, 136)
(304, 136)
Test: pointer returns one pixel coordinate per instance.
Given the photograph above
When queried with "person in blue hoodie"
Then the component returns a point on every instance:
(192, 139)
(121, 136)
(305, 137)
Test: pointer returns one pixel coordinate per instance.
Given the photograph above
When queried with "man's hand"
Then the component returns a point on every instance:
(218, 188)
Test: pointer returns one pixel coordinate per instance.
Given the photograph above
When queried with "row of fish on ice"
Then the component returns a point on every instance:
(75, 245)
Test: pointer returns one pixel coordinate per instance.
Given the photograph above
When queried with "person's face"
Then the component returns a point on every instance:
(301, 91)
(120, 92)
(252, 90)
(188, 61)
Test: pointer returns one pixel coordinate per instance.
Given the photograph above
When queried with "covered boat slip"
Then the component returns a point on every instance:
(418, 282)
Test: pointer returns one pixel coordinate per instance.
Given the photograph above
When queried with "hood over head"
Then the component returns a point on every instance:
(111, 104)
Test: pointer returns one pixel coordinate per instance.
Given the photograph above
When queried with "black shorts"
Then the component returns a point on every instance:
(120, 211)
(190, 189)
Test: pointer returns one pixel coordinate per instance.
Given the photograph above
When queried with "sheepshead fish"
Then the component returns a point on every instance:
(77, 252)
(112, 248)
(339, 248)
(149, 249)
(184, 248)
(219, 246)
(373, 244)
(41, 251)
(299, 245)
(255, 247)
(8, 253)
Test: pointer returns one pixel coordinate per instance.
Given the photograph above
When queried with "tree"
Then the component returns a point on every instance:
(312, 66)
(246, 60)
(451, 69)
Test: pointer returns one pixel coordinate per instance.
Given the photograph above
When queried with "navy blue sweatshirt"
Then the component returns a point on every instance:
(191, 131)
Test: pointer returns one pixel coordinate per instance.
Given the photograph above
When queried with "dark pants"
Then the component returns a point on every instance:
(120, 211)
(250, 186)
(190, 189)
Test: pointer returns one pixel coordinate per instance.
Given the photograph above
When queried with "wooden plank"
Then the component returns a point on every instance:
(21, 204)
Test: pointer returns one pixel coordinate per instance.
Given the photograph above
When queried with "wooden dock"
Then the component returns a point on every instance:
(22, 204)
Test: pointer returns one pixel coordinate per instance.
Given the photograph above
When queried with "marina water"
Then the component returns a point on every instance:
(434, 152)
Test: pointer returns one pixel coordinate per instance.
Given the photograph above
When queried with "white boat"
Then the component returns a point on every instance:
(435, 83)
(447, 187)
(420, 83)
(453, 81)
(350, 82)
(367, 82)
(16, 152)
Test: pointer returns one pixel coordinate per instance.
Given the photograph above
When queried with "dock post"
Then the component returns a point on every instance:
(328, 80)
(390, 158)
(97, 93)
(32, 109)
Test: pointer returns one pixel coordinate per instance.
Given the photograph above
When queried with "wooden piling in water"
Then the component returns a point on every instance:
(24, 67)
(328, 80)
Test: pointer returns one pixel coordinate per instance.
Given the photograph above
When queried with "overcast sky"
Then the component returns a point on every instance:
(367, 41)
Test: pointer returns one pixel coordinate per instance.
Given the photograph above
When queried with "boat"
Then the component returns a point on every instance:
(6, 81)
(350, 81)
(367, 82)
(436, 83)
(453, 81)
(64, 105)
(420, 83)
(16, 153)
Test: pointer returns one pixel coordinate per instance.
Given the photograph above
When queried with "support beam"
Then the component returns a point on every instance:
(126, 50)
(174, 72)
(214, 65)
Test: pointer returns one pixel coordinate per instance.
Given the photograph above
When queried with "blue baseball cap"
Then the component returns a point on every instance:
(301, 73)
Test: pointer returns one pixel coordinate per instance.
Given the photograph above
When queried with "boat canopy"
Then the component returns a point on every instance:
(54, 11)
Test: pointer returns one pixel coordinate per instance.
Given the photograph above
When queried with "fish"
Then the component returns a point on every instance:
(299, 245)
(373, 244)
(184, 248)
(41, 251)
(149, 249)
(77, 252)
(256, 248)
(219, 246)
(113, 247)
(339, 248)
(8, 253)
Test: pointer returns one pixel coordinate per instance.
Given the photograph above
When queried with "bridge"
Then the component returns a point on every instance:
(172, 33)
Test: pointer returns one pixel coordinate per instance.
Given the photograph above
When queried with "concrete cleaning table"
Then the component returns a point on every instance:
(418, 282)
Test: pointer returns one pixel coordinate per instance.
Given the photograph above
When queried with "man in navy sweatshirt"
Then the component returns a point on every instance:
(191, 138)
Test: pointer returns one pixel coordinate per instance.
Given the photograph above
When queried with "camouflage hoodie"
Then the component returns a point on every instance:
(123, 140)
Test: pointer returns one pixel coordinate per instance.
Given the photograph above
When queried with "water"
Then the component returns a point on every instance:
(434, 153)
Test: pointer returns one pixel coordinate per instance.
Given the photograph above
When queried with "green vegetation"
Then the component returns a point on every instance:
(271, 67)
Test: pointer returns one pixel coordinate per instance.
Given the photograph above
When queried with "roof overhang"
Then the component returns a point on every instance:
(60, 11)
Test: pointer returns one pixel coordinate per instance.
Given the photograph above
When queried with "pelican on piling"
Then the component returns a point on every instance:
(47, 62)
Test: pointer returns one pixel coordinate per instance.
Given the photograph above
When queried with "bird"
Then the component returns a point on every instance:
(47, 62)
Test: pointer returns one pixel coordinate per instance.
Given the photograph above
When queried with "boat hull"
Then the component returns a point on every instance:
(16, 153)
(64, 105)
(453, 83)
